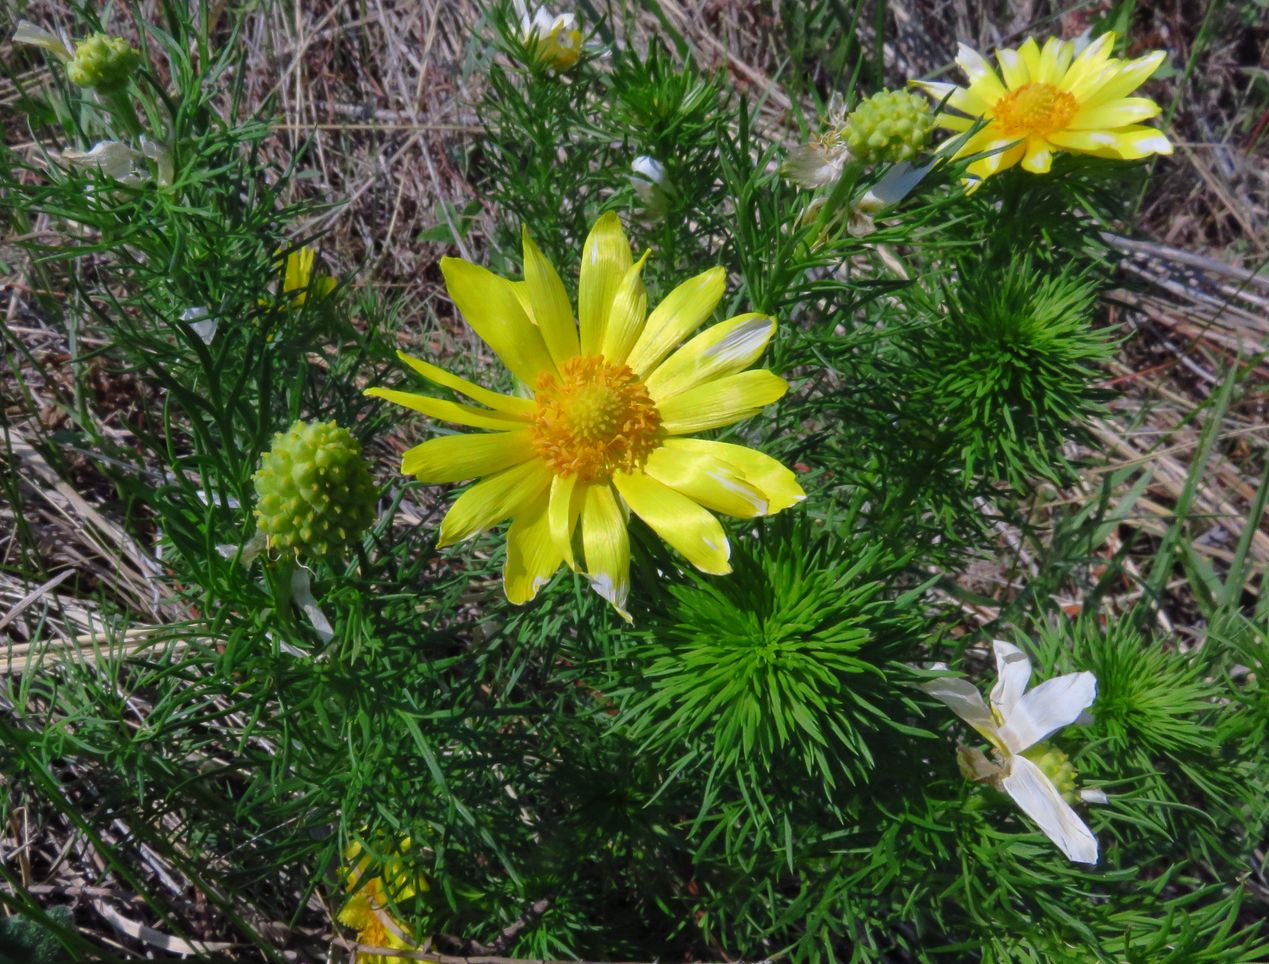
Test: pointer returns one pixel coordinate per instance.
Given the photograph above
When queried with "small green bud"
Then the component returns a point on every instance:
(313, 488)
(889, 126)
(103, 63)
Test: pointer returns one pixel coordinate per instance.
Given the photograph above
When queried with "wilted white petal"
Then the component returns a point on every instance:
(963, 698)
(115, 159)
(1053, 704)
(1093, 795)
(29, 33)
(1040, 800)
(813, 165)
(648, 168)
(1013, 672)
(200, 320)
(302, 593)
(161, 157)
(250, 550)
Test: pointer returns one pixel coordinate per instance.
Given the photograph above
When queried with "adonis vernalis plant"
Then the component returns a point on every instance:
(759, 771)
(614, 396)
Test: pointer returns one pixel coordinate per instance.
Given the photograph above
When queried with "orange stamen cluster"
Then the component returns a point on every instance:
(1035, 109)
(594, 420)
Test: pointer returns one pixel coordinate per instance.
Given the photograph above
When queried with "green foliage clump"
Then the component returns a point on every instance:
(786, 660)
(1008, 363)
(888, 127)
(103, 63)
(314, 489)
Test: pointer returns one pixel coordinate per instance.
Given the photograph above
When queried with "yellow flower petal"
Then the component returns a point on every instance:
(607, 546)
(1003, 157)
(1115, 113)
(1054, 59)
(455, 412)
(1038, 157)
(714, 484)
(1089, 63)
(605, 260)
(1029, 51)
(1012, 68)
(957, 98)
(677, 316)
(682, 523)
(984, 85)
(721, 402)
(356, 912)
(565, 507)
(627, 315)
(1119, 79)
(489, 304)
(1129, 144)
(456, 458)
(550, 307)
(532, 555)
(489, 502)
(777, 484)
(730, 346)
(506, 404)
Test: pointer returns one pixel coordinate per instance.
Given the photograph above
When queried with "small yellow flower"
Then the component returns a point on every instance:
(368, 907)
(604, 434)
(298, 281)
(1046, 100)
(554, 41)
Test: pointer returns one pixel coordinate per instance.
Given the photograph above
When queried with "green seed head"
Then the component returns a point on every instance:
(1057, 767)
(314, 491)
(102, 63)
(890, 126)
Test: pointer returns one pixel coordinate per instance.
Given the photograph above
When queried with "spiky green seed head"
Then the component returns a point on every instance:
(1057, 766)
(313, 488)
(889, 126)
(103, 63)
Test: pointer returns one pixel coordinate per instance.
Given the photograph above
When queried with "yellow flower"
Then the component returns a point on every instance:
(368, 907)
(605, 431)
(554, 41)
(298, 281)
(1048, 100)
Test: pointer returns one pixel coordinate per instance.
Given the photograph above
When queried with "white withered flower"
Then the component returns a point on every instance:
(650, 185)
(29, 33)
(115, 159)
(1015, 724)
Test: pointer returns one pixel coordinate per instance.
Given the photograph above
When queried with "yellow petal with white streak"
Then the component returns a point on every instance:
(730, 346)
(681, 522)
(714, 484)
(777, 484)
(607, 546)
(681, 312)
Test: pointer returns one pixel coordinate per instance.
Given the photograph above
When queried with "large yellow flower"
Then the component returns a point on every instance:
(1048, 100)
(613, 397)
